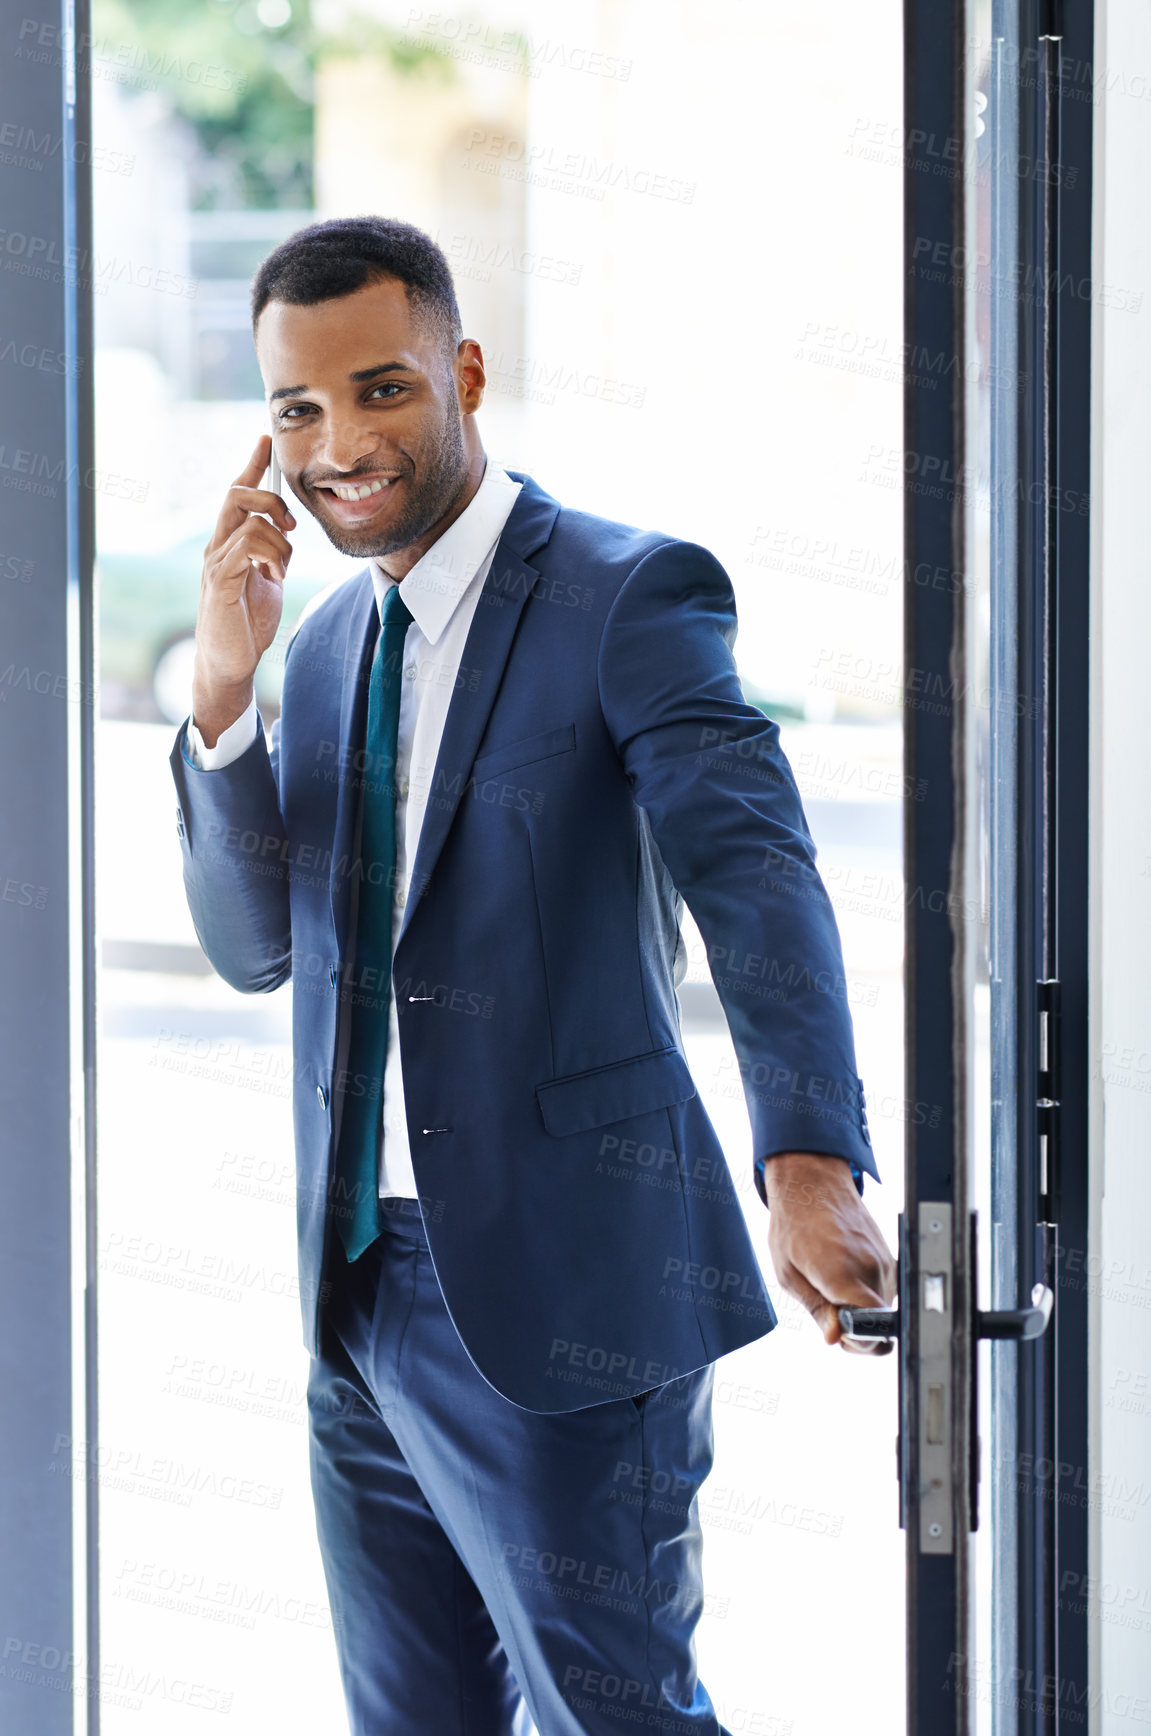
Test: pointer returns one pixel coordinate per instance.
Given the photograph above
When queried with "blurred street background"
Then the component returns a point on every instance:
(683, 267)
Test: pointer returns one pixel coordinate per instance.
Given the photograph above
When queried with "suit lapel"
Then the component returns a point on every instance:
(489, 643)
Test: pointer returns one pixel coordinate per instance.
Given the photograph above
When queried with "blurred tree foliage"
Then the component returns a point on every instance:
(240, 73)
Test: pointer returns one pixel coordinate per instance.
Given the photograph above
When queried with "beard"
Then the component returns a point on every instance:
(429, 488)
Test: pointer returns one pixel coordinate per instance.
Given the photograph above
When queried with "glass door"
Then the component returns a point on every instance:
(992, 1443)
(996, 1488)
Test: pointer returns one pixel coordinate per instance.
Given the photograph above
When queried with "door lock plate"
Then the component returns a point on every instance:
(934, 1257)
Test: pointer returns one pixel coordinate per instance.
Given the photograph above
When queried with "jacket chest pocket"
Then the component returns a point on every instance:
(525, 751)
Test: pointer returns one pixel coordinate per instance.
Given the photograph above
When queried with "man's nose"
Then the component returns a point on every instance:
(345, 444)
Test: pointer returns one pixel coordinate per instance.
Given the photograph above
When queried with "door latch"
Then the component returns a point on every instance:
(932, 1450)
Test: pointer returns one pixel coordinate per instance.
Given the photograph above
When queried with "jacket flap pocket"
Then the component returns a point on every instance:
(529, 747)
(616, 1092)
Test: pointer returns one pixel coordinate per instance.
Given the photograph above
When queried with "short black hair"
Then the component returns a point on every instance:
(339, 256)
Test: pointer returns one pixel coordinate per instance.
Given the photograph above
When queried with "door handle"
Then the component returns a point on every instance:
(869, 1322)
(938, 1448)
(1017, 1323)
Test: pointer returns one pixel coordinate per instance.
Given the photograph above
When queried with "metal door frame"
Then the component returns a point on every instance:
(1051, 839)
(48, 1442)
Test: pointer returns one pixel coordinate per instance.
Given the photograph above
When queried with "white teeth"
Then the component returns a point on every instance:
(362, 493)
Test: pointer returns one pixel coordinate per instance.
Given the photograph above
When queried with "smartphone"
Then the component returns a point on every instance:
(277, 484)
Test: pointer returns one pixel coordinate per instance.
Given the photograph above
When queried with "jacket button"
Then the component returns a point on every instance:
(321, 1097)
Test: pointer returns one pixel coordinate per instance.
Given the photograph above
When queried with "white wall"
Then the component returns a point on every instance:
(1119, 1269)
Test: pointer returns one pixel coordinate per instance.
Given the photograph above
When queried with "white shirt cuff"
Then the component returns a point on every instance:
(232, 742)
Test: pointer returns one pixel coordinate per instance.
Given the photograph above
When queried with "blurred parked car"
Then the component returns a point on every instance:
(147, 632)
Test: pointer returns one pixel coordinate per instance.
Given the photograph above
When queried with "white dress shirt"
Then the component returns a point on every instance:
(442, 591)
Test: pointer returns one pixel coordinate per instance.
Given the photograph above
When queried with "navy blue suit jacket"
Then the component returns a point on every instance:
(599, 763)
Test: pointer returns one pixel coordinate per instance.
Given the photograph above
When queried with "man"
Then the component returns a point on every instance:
(506, 751)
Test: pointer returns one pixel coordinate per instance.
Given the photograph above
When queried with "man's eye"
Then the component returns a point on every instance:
(296, 412)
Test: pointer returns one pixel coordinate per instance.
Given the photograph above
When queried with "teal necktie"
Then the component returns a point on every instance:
(357, 1186)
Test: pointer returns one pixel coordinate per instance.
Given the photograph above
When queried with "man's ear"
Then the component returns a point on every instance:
(471, 377)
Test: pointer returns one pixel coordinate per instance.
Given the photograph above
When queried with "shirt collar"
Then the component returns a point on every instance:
(434, 586)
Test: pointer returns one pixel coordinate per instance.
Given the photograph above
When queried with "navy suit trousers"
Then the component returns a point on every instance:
(493, 1569)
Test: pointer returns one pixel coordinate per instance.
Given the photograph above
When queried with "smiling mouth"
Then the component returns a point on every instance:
(357, 499)
(357, 490)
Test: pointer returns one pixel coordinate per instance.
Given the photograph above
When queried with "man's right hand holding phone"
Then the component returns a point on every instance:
(241, 596)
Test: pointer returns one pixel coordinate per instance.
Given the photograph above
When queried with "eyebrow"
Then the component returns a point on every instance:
(357, 379)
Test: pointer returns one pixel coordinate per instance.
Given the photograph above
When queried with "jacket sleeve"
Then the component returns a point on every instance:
(235, 857)
(707, 769)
